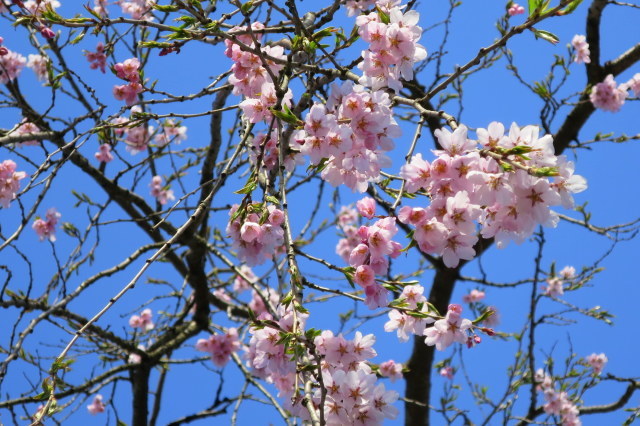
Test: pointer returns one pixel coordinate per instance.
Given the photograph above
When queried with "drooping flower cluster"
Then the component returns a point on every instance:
(597, 362)
(393, 48)
(353, 395)
(515, 9)
(11, 64)
(38, 64)
(267, 358)
(170, 131)
(97, 59)
(411, 298)
(557, 403)
(162, 193)
(249, 74)
(128, 70)
(369, 258)
(26, 127)
(9, 182)
(504, 187)
(581, 46)
(607, 95)
(46, 228)
(349, 135)
(257, 234)
(104, 154)
(142, 321)
(220, 346)
(97, 406)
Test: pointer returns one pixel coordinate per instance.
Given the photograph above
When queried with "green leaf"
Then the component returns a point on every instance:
(546, 35)
(166, 8)
(384, 18)
(570, 7)
(245, 8)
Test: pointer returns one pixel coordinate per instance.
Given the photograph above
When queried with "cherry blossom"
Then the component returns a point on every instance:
(9, 182)
(97, 59)
(452, 328)
(160, 191)
(38, 64)
(11, 65)
(474, 296)
(597, 362)
(607, 95)
(446, 372)
(220, 346)
(581, 46)
(27, 127)
(515, 9)
(97, 406)
(45, 228)
(142, 321)
(104, 153)
(391, 370)
(256, 240)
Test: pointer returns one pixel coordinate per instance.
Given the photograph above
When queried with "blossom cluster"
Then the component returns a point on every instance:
(353, 394)
(96, 406)
(555, 284)
(413, 299)
(393, 47)
(9, 182)
(348, 137)
(46, 228)
(138, 9)
(369, 258)
(128, 70)
(270, 152)
(143, 321)
(249, 74)
(97, 59)
(160, 191)
(26, 127)
(557, 403)
(504, 187)
(515, 9)
(597, 362)
(169, 131)
(11, 64)
(220, 346)
(579, 43)
(257, 234)
(607, 95)
(38, 64)
(104, 154)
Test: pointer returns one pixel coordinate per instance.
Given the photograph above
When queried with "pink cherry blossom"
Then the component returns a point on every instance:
(220, 346)
(142, 321)
(608, 95)
(597, 362)
(104, 153)
(97, 406)
(446, 372)
(9, 182)
(97, 59)
(161, 192)
(391, 369)
(452, 328)
(515, 9)
(45, 228)
(11, 65)
(474, 296)
(581, 46)
(38, 64)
